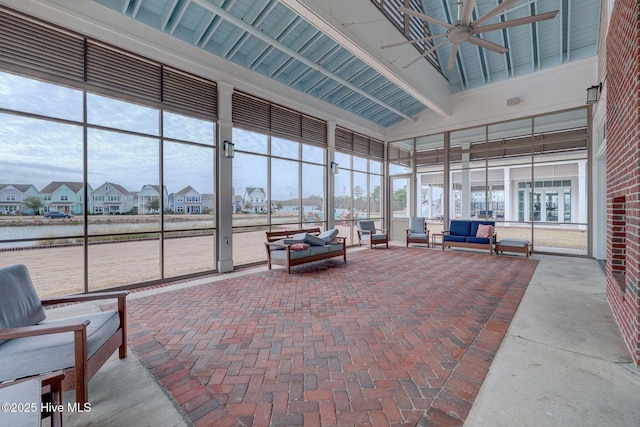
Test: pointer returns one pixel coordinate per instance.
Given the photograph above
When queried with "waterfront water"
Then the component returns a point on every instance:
(74, 229)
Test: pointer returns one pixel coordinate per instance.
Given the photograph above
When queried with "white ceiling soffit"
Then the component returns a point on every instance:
(361, 28)
(571, 36)
(269, 38)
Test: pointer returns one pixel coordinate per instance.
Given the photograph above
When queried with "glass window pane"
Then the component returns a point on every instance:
(375, 196)
(375, 167)
(40, 172)
(360, 195)
(359, 164)
(117, 114)
(189, 179)
(285, 191)
(311, 153)
(253, 142)
(119, 166)
(284, 148)
(313, 178)
(177, 126)
(250, 190)
(343, 160)
(33, 96)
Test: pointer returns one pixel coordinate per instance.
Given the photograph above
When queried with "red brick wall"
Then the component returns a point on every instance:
(623, 169)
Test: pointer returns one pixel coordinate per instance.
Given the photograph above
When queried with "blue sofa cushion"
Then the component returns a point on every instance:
(455, 238)
(474, 226)
(460, 228)
(19, 301)
(482, 240)
(27, 356)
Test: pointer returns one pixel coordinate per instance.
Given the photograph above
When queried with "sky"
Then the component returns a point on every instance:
(39, 152)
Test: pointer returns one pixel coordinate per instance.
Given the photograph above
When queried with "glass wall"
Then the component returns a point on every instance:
(277, 183)
(357, 193)
(142, 179)
(527, 175)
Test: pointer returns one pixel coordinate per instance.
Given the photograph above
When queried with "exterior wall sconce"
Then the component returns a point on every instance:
(228, 149)
(335, 168)
(593, 93)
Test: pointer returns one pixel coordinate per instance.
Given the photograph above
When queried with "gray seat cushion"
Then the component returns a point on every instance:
(335, 247)
(23, 357)
(19, 301)
(282, 255)
(417, 236)
(516, 243)
(379, 237)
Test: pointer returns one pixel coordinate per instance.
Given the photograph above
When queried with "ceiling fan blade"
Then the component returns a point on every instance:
(421, 39)
(424, 17)
(426, 53)
(515, 22)
(452, 56)
(487, 44)
(495, 11)
(465, 19)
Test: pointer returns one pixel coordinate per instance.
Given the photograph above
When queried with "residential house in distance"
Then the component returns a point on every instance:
(66, 197)
(208, 202)
(254, 200)
(110, 198)
(12, 196)
(187, 200)
(147, 195)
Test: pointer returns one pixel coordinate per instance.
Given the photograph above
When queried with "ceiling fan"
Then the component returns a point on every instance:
(466, 30)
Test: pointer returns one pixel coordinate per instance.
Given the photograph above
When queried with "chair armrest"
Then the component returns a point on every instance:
(278, 245)
(35, 330)
(84, 297)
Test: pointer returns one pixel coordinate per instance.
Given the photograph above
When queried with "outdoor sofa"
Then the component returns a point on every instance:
(471, 234)
(295, 247)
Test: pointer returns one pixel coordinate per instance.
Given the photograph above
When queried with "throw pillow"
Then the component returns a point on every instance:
(314, 240)
(484, 230)
(299, 246)
(328, 235)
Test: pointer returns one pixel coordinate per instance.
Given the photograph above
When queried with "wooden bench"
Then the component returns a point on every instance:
(279, 251)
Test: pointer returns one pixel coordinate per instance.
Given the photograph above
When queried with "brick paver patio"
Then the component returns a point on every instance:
(395, 336)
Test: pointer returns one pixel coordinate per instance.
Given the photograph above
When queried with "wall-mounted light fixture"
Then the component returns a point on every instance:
(593, 93)
(335, 168)
(228, 149)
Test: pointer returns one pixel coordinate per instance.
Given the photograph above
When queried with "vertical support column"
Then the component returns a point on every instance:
(466, 182)
(331, 179)
(506, 179)
(224, 199)
(582, 193)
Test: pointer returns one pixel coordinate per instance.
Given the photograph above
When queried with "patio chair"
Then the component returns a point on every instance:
(77, 346)
(417, 231)
(33, 399)
(369, 234)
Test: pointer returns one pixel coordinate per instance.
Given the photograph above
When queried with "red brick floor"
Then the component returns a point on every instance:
(394, 337)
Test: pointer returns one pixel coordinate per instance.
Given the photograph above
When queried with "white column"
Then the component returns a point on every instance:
(506, 177)
(582, 192)
(224, 199)
(466, 183)
(331, 153)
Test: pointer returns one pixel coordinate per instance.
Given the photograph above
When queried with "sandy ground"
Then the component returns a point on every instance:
(60, 270)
